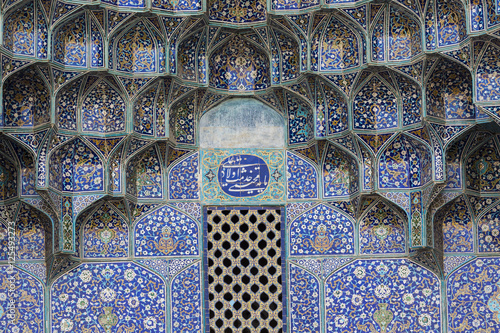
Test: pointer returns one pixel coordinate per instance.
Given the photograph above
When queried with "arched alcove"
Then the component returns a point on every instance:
(239, 65)
(242, 123)
(331, 166)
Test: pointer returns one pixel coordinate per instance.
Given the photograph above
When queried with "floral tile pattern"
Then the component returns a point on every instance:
(370, 203)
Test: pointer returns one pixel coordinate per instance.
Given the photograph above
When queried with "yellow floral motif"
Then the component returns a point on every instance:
(167, 244)
(321, 241)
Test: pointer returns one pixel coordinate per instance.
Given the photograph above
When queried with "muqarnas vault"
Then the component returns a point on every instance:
(250, 166)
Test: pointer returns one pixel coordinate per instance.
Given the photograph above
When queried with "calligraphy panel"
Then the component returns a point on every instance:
(243, 175)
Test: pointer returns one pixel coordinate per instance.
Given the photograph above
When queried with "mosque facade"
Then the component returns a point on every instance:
(270, 166)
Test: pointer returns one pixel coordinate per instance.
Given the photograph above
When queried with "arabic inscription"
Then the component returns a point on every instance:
(243, 175)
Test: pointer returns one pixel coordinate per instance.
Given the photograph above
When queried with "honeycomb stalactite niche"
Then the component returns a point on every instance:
(244, 270)
(220, 166)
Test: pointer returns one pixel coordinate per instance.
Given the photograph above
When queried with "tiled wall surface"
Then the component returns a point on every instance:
(249, 166)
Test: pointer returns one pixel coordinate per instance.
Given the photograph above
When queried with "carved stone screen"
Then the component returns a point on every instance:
(244, 270)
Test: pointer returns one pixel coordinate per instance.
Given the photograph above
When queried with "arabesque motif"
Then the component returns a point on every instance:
(369, 184)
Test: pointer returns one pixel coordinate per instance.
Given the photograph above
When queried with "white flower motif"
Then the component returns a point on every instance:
(130, 274)
(107, 272)
(150, 322)
(408, 299)
(86, 276)
(382, 291)
(133, 302)
(425, 320)
(66, 325)
(404, 271)
(108, 295)
(359, 272)
(340, 321)
(357, 300)
(82, 303)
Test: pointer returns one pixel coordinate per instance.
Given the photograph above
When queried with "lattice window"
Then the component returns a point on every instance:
(244, 270)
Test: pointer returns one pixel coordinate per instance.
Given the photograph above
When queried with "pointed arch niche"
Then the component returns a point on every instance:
(242, 123)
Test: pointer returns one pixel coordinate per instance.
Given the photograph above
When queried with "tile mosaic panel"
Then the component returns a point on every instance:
(336, 116)
(304, 300)
(321, 230)
(166, 232)
(375, 106)
(382, 230)
(340, 174)
(411, 96)
(238, 66)
(300, 120)
(74, 167)
(237, 12)
(220, 168)
(488, 231)
(97, 49)
(187, 62)
(8, 179)
(27, 315)
(103, 110)
(20, 31)
(451, 25)
(97, 118)
(26, 100)
(67, 104)
(404, 36)
(383, 296)
(405, 164)
(136, 50)
(302, 178)
(184, 5)
(105, 235)
(453, 100)
(144, 175)
(473, 296)
(483, 168)
(120, 295)
(293, 4)
(70, 43)
(186, 295)
(457, 228)
(339, 47)
(184, 179)
(289, 56)
(377, 40)
(487, 82)
(30, 232)
(182, 120)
